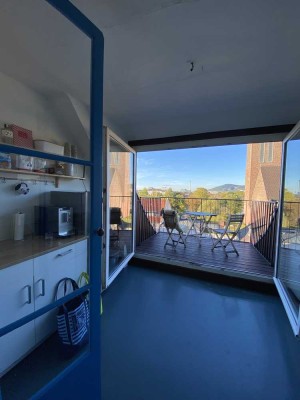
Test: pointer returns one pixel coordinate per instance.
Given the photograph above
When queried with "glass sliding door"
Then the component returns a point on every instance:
(120, 201)
(287, 277)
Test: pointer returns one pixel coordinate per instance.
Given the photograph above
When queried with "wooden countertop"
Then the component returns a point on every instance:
(15, 251)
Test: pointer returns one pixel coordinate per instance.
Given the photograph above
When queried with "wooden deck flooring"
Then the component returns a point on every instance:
(249, 263)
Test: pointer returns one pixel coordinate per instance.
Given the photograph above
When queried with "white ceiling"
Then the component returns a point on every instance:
(246, 54)
(246, 61)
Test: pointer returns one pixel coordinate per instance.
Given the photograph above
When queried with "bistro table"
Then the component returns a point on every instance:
(201, 217)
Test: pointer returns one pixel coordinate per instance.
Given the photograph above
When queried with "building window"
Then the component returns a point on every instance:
(262, 153)
(270, 151)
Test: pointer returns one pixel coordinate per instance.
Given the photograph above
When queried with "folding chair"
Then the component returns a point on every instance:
(228, 233)
(171, 221)
(115, 219)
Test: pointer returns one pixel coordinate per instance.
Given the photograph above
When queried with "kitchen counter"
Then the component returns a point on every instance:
(13, 252)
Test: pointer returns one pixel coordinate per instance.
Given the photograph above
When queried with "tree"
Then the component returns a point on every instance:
(143, 192)
(156, 193)
(230, 203)
(198, 199)
(200, 193)
(169, 193)
(291, 208)
(177, 200)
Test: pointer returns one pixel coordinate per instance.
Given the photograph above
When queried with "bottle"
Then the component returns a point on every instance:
(69, 169)
(67, 149)
(74, 152)
(7, 135)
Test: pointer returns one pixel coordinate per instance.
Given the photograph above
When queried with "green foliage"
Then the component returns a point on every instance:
(291, 210)
(156, 194)
(289, 196)
(196, 199)
(177, 200)
(231, 203)
(201, 193)
(222, 203)
(238, 195)
(169, 193)
(143, 192)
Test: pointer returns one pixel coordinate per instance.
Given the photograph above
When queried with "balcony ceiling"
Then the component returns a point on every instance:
(246, 64)
(246, 59)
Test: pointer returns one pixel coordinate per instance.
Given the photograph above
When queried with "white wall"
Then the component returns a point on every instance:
(50, 116)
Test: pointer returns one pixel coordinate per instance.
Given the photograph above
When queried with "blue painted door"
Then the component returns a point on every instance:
(54, 163)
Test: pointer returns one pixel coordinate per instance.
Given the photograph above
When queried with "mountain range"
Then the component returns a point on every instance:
(227, 187)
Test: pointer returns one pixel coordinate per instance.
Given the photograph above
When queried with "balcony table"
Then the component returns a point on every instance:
(203, 218)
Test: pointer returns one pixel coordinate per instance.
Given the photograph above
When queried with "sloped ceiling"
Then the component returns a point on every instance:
(246, 57)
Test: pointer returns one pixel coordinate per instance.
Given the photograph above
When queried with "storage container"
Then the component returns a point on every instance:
(40, 165)
(22, 162)
(5, 161)
(48, 147)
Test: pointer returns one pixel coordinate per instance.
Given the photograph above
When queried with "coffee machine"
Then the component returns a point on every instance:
(57, 221)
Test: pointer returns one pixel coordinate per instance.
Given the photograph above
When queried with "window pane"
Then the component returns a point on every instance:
(262, 153)
(44, 237)
(44, 80)
(120, 204)
(41, 351)
(270, 152)
(289, 256)
(45, 205)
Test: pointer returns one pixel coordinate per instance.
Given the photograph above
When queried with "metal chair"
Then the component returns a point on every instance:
(172, 224)
(228, 233)
(115, 219)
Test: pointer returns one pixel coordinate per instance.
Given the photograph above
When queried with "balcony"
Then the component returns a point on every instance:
(256, 241)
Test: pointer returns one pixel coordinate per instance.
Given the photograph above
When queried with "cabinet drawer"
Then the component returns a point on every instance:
(48, 270)
(16, 292)
(68, 262)
(60, 256)
(81, 247)
(16, 301)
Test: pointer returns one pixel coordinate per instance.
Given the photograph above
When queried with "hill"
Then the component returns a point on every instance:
(227, 187)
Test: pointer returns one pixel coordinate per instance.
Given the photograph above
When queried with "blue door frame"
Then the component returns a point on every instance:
(81, 379)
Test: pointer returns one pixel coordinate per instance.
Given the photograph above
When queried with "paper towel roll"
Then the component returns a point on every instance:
(19, 220)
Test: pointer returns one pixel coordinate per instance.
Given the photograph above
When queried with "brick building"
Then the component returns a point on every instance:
(263, 166)
(263, 171)
(121, 185)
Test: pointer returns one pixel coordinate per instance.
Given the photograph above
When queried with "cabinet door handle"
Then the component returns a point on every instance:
(43, 287)
(28, 287)
(64, 253)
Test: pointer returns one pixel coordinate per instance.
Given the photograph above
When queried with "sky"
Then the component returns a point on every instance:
(199, 167)
(292, 177)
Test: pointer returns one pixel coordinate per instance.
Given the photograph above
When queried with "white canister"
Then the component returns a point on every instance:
(69, 169)
(19, 223)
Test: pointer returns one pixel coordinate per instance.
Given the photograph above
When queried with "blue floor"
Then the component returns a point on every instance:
(171, 337)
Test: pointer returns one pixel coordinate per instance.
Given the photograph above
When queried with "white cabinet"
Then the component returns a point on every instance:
(67, 262)
(29, 286)
(16, 293)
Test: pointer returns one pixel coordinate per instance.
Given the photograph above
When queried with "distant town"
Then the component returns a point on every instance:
(233, 190)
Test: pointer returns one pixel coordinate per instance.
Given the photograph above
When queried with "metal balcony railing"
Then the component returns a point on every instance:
(259, 226)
